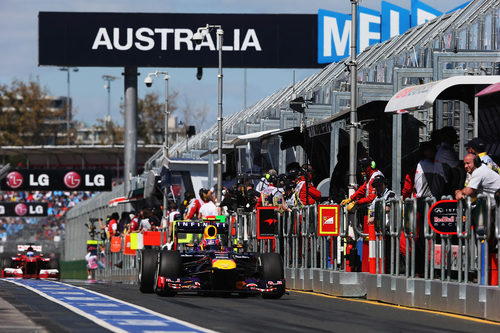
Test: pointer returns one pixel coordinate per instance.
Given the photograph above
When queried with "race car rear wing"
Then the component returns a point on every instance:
(22, 248)
(197, 227)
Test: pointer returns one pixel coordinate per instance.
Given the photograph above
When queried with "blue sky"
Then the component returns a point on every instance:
(19, 41)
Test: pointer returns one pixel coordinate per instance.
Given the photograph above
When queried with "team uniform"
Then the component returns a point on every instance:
(366, 193)
(306, 196)
(193, 209)
(270, 196)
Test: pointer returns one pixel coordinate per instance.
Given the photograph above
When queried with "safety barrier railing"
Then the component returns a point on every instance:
(462, 254)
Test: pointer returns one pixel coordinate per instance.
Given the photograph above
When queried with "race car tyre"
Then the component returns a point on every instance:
(170, 267)
(6, 263)
(272, 270)
(147, 269)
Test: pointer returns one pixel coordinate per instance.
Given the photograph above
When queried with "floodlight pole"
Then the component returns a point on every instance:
(109, 79)
(352, 65)
(220, 35)
(68, 103)
(165, 146)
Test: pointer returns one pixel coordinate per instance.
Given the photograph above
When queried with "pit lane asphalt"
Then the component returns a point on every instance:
(295, 312)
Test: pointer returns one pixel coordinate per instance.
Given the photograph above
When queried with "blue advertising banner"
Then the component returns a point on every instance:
(334, 29)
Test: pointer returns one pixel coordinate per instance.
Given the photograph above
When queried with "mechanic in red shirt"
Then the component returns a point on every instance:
(366, 193)
(306, 195)
(113, 224)
(193, 207)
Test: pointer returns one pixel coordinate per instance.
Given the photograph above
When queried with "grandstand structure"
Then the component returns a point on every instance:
(465, 42)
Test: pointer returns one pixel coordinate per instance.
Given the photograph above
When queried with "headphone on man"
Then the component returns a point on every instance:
(367, 162)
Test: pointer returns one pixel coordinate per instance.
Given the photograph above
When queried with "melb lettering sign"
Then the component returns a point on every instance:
(165, 40)
(334, 29)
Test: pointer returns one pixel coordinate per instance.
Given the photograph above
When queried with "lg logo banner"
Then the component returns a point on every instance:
(23, 209)
(49, 180)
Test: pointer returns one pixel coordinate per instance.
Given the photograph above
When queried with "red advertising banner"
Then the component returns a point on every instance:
(127, 249)
(328, 220)
(152, 238)
(267, 222)
(116, 244)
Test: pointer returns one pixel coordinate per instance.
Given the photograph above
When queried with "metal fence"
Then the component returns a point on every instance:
(464, 256)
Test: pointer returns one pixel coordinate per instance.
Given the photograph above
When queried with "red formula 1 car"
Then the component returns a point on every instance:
(30, 264)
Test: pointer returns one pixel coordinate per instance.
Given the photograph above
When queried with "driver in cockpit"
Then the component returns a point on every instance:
(210, 241)
(30, 252)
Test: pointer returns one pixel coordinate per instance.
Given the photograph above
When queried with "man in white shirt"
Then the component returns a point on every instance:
(482, 179)
(427, 182)
(264, 181)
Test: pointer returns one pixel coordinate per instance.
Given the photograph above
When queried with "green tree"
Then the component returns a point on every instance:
(111, 133)
(27, 116)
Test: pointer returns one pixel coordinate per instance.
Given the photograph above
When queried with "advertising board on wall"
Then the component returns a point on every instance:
(23, 209)
(56, 179)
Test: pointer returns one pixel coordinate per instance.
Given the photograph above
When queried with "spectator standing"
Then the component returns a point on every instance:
(446, 154)
(383, 192)
(482, 179)
(207, 207)
(306, 194)
(91, 258)
(193, 206)
(427, 182)
(264, 181)
(366, 193)
(113, 224)
(144, 224)
(124, 221)
(134, 222)
(477, 146)
(271, 195)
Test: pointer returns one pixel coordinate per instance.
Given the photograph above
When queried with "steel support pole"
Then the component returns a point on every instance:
(130, 168)
(165, 157)
(353, 114)
(68, 109)
(220, 36)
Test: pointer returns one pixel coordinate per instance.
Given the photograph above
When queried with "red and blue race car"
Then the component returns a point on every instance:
(30, 264)
(209, 267)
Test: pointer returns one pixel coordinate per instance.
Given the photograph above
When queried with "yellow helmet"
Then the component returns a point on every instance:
(210, 232)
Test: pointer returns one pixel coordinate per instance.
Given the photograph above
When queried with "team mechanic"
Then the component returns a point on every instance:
(366, 193)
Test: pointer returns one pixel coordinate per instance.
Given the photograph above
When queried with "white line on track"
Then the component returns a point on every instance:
(101, 322)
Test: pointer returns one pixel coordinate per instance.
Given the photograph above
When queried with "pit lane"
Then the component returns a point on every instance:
(294, 312)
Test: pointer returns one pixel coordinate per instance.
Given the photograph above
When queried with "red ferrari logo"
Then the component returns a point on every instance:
(72, 179)
(14, 179)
